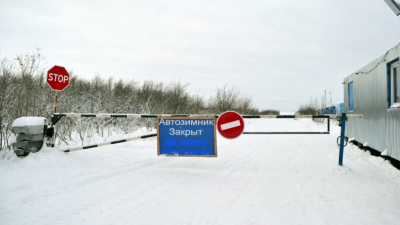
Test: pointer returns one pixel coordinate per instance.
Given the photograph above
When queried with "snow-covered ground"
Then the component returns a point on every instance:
(256, 179)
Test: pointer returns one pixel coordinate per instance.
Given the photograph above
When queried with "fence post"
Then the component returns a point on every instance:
(342, 139)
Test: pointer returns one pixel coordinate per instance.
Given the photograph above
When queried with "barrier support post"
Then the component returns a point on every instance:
(342, 139)
(329, 125)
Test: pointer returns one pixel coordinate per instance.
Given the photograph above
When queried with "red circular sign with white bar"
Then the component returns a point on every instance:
(230, 125)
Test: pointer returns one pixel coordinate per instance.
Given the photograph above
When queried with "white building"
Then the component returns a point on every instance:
(374, 90)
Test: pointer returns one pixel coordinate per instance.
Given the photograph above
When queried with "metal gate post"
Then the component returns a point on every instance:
(342, 139)
(329, 125)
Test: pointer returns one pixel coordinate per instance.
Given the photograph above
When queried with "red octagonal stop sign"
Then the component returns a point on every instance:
(58, 78)
(230, 125)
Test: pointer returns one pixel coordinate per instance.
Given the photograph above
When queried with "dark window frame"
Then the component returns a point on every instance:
(389, 81)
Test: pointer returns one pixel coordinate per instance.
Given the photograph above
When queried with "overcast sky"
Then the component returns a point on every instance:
(279, 52)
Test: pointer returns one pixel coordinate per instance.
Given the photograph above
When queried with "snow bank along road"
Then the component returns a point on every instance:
(256, 179)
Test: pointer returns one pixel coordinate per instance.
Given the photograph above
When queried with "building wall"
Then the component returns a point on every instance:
(380, 125)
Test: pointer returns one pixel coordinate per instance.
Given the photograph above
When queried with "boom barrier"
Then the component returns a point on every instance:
(110, 143)
(57, 116)
(342, 118)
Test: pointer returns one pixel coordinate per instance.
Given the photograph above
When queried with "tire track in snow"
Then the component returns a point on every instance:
(100, 189)
(194, 178)
(279, 179)
(216, 195)
(113, 175)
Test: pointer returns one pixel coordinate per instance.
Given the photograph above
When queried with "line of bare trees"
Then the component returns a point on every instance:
(24, 92)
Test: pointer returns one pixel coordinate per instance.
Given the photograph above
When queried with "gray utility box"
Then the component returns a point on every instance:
(29, 135)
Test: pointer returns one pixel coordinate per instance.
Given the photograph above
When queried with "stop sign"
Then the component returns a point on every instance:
(230, 125)
(58, 78)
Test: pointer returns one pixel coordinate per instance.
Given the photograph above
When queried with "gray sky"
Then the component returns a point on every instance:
(279, 52)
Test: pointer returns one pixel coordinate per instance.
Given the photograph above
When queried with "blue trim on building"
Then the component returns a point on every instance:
(351, 96)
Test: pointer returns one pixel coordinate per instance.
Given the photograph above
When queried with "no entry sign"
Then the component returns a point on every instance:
(230, 125)
(58, 78)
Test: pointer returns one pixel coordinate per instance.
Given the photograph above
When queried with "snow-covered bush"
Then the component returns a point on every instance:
(24, 92)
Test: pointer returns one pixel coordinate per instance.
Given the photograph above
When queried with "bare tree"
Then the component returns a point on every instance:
(24, 92)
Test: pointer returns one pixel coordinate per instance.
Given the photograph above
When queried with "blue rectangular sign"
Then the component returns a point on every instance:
(186, 136)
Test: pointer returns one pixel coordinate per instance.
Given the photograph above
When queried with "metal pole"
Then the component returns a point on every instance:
(342, 139)
(55, 102)
(53, 139)
(329, 125)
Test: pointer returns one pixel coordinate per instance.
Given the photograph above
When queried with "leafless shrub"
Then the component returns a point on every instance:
(231, 100)
(270, 112)
(307, 110)
(24, 92)
(310, 108)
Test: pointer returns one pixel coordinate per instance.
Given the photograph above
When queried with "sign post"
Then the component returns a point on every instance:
(186, 136)
(55, 102)
(58, 80)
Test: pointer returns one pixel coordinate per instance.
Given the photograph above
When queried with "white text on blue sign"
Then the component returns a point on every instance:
(187, 122)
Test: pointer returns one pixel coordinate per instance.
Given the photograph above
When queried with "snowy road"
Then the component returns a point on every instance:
(256, 179)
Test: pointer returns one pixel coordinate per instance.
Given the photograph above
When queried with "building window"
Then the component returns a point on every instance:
(393, 83)
(351, 96)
